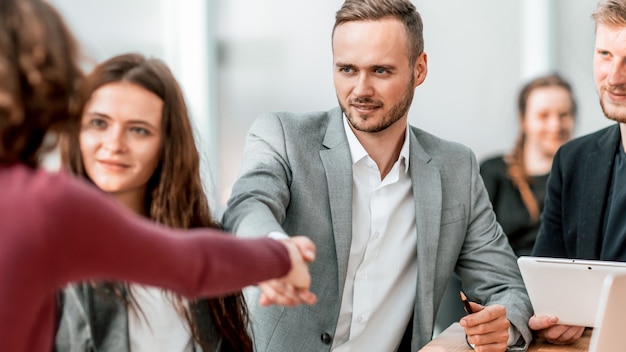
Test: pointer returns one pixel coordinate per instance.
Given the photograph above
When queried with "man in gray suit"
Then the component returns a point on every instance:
(393, 210)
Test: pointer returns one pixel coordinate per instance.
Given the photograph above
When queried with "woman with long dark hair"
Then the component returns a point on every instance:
(134, 140)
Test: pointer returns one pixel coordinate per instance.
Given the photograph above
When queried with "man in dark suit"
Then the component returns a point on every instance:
(583, 214)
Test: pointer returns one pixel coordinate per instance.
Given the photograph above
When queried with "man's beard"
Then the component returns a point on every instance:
(395, 114)
(614, 111)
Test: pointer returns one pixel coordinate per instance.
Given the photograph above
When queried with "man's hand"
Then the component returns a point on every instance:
(546, 327)
(293, 288)
(487, 328)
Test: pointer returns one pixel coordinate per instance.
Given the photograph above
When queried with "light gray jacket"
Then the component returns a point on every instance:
(296, 178)
(94, 320)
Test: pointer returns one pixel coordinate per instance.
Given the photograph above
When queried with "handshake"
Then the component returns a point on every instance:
(293, 288)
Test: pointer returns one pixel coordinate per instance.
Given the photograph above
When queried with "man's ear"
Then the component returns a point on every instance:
(420, 69)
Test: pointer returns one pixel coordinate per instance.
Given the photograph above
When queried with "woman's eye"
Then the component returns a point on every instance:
(140, 130)
(98, 123)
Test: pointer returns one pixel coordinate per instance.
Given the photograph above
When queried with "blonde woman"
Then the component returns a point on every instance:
(516, 182)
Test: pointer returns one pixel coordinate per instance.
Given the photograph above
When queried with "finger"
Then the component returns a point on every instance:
(279, 292)
(542, 322)
(288, 292)
(572, 334)
(277, 299)
(476, 307)
(267, 295)
(499, 326)
(494, 347)
(301, 279)
(275, 286)
(563, 334)
(494, 340)
(299, 274)
(483, 315)
(264, 301)
(553, 333)
(307, 297)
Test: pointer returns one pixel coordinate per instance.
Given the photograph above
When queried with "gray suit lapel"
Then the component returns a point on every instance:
(338, 167)
(427, 194)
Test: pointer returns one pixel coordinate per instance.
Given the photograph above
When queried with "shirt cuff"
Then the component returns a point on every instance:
(277, 235)
(516, 340)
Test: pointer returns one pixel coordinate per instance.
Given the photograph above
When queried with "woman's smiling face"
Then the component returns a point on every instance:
(121, 137)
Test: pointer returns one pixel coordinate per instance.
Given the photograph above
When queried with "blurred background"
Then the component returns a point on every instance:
(236, 59)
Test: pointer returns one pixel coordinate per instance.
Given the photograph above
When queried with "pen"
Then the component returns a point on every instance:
(466, 304)
(469, 310)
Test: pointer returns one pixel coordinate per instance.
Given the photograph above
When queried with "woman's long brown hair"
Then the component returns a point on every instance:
(516, 168)
(175, 196)
(39, 71)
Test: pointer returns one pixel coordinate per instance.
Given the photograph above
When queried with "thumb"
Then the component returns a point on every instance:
(476, 307)
(306, 247)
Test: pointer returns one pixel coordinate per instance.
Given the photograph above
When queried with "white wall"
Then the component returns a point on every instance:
(179, 32)
(276, 55)
(576, 42)
(474, 68)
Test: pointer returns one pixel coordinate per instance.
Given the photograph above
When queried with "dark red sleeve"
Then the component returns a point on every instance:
(94, 237)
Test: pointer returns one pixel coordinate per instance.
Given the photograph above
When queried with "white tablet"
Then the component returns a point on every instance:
(567, 288)
(608, 333)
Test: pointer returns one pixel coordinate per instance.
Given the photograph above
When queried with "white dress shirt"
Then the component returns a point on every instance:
(379, 292)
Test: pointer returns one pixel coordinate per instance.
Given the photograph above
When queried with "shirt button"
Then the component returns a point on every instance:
(326, 338)
(359, 319)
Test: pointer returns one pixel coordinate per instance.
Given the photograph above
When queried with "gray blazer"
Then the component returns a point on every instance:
(296, 178)
(94, 320)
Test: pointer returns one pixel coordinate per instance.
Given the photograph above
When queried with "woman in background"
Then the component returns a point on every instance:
(56, 229)
(516, 182)
(135, 141)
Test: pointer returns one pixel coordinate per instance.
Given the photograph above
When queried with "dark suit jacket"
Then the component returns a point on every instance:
(578, 187)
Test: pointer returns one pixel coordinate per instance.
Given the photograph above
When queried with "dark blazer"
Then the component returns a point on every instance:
(578, 187)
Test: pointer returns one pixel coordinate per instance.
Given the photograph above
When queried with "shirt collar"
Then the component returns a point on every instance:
(358, 152)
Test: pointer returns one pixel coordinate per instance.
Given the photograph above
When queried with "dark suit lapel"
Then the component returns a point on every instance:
(337, 163)
(596, 173)
(427, 195)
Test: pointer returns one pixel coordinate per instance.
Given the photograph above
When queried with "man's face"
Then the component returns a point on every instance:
(374, 80)
(609, 70)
